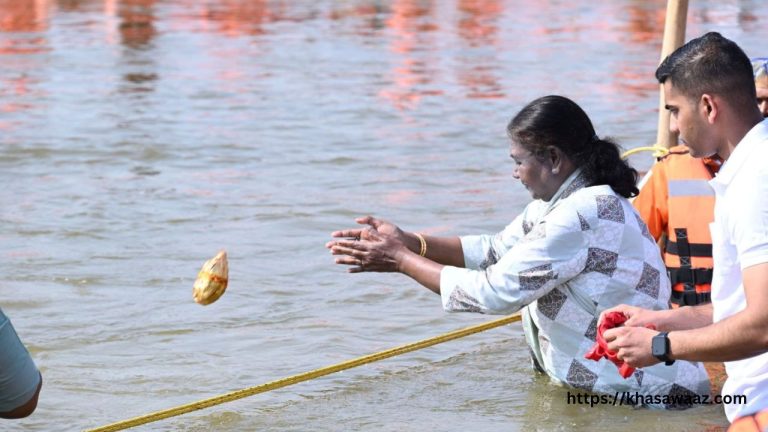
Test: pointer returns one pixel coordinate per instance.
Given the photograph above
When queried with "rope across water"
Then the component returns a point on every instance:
(283, 382)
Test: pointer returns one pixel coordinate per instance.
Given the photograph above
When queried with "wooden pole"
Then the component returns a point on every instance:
(674, 35)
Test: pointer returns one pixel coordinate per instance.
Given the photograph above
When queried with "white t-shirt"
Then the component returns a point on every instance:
(740, 240)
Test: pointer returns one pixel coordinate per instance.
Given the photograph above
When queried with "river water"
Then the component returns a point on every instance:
(139, 137)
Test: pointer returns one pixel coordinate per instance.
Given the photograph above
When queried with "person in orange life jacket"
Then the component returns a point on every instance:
(677, 204)
(760, 69)
(709, 89)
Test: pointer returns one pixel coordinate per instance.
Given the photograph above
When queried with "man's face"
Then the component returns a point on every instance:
(760, 68)
(689, 122)
(762, 98)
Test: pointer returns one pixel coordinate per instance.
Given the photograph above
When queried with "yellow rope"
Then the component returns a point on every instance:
(283, 382)
(659, 151)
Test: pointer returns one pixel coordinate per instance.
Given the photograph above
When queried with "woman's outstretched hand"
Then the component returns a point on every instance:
(377, 247)
(382, 226)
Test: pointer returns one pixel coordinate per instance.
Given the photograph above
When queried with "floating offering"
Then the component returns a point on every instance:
(212, 280)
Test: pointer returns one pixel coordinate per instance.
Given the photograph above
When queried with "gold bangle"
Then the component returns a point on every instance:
(423, 251)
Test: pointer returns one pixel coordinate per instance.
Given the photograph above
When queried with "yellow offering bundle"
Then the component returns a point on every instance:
(212, 280)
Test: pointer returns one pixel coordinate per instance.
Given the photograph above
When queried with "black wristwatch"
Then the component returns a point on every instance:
(660, 348)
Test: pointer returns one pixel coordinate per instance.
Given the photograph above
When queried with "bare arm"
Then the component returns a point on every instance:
(422, 270)
(383, 246)
(737, 337)
(442, 250)
(389, 253)
(683, 318)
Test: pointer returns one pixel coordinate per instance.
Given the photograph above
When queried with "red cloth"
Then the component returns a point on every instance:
(600, 349)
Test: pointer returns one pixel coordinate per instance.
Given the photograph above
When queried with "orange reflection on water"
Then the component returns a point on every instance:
(19, 18)
(645, 25)
(75, 5)
(12, 92)
(137, 19)
(478, 22)
(238, 17)
(17, 88)
(369, 13)
(23, 15)
(22, 22)
(414, 29)
(478, 27)
(410, 21)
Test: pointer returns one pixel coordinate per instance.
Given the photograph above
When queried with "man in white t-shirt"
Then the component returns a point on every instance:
(710, 92)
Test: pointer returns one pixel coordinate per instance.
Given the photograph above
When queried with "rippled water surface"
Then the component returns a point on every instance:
(139, 137)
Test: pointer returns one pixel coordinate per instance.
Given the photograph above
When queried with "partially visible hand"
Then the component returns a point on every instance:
(632, 345)
(382, 227)
(374, 224)
(374, 252)
(636, 317)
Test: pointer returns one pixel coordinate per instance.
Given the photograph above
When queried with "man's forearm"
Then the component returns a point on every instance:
(685, 318)
(734, 338)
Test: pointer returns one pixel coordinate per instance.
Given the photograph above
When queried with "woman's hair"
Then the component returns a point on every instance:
(560, 122)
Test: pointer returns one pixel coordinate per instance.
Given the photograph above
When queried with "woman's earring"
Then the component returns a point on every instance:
(555, 170)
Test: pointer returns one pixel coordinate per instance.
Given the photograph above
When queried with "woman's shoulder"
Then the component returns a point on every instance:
(592, 195)
(596, 202)
(596, 190)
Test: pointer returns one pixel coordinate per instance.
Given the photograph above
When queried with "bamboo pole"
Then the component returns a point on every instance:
(674, 35)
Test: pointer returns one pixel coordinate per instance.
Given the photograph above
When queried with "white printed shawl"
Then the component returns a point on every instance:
(563, 262)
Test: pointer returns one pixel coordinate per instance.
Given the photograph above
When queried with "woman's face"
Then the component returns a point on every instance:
(534, 173)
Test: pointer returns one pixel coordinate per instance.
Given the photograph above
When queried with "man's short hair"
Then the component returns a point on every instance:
(710, 64)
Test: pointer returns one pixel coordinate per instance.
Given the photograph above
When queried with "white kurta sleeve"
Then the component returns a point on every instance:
(481, 251)
(552, 253)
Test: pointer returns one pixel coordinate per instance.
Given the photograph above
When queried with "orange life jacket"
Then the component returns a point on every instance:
(676, 200)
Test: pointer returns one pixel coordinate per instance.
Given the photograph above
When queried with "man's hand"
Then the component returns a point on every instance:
(636, 317)
(632, 344)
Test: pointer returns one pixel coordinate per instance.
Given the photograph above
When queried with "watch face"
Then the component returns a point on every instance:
(659, 345)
